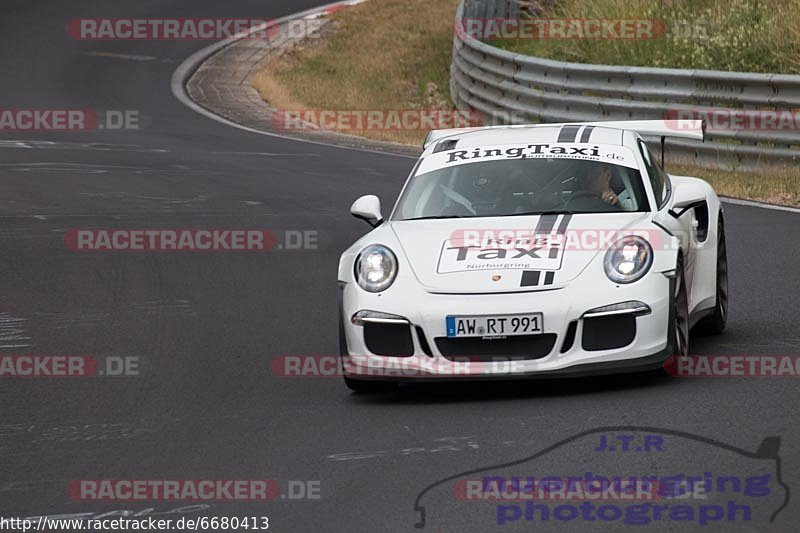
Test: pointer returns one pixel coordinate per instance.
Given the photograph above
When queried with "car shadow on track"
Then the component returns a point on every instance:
(493, 390)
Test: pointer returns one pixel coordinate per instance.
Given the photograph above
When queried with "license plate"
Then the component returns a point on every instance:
(494, 325)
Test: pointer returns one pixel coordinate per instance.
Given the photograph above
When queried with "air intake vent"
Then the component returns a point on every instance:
(423, 342)
(392, 340)
(569, 338)
(608, 333)
(447, 144)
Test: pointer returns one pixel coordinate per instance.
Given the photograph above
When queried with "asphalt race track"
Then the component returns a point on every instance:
(206, 325)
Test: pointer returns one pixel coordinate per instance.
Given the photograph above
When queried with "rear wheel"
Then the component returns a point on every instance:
(714, 324)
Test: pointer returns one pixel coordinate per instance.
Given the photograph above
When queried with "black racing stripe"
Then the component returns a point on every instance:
(562, 228)
(568, 134)
(587, 132)
(545, 224)
(548, 278)
(530, 278)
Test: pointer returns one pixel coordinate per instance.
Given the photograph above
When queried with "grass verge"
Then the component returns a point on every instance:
(395, 54)
(735, 35)
(382, 55)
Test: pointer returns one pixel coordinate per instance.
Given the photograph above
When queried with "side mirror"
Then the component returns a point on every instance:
(686, 196)
(368, 208)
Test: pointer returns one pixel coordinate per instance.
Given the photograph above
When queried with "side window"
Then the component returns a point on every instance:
(658, 178)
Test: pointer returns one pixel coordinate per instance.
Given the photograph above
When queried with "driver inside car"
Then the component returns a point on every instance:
(594, 192)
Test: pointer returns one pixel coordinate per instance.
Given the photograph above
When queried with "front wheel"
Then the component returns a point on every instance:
(714, 324)
(679, 314)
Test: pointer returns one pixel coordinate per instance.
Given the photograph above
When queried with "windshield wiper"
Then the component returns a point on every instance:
(432, 217)
(551, 212)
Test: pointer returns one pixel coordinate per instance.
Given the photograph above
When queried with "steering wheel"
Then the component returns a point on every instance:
(590, 201)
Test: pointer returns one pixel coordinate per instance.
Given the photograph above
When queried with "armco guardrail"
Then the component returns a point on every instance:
(514, 88)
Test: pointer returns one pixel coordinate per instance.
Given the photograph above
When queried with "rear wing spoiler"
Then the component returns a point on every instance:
(678, 128)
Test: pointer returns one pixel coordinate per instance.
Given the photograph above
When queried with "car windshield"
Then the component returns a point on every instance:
(520, 186)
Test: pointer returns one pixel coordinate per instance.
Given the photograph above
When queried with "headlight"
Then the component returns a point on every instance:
(628, 259)
(376, 268)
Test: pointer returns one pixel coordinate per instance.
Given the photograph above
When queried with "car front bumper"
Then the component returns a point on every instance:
(428, 355)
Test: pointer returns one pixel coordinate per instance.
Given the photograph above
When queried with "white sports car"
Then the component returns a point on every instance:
(543, 250)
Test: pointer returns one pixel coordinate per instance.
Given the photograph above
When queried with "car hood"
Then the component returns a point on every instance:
(509, 254)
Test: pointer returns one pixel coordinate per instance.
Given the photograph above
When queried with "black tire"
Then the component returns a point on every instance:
(714, 324)
(364, 386)
(679, 314)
